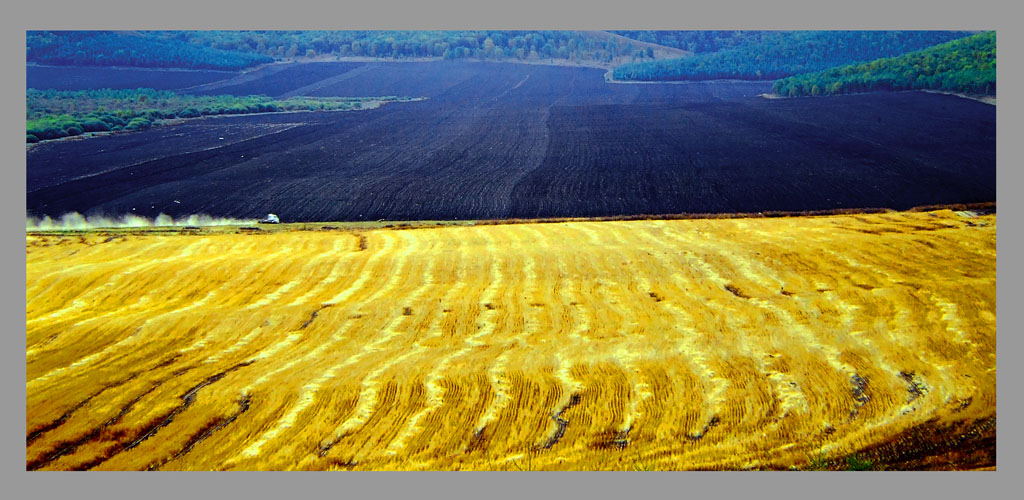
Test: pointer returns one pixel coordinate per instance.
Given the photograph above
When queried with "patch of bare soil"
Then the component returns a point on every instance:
(965, 445)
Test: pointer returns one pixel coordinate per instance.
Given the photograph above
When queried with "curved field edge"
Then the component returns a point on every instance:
(774, 343)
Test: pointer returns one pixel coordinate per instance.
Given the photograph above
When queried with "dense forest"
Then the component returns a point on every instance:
(240, 49)
(966, 65)
(54, 114)
(697, 41)
(120, 48)
(481, 44)
(773, 55)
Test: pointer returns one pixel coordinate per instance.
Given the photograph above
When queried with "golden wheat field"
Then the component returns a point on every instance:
(762, 343)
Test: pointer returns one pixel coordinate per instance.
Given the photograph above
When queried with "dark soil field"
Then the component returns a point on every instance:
(504, 141)
(275, 80)
(82, 78)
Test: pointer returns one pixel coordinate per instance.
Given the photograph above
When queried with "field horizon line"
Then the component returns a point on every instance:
(142, 224)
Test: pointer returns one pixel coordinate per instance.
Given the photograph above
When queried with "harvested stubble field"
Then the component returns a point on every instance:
(660, 344)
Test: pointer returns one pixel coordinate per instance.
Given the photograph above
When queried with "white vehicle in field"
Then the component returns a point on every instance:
(270, 219)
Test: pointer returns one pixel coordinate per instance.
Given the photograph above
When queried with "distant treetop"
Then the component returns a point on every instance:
(130, 48)
(460, 44)
(239, 49)
(758, 55)
(698, 41)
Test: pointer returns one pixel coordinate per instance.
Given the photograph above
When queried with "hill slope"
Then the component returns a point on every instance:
(772, 55)
(517, 140)
(965, 65)
(665, 345)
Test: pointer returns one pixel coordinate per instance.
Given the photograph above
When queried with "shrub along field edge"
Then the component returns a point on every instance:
(52, 114)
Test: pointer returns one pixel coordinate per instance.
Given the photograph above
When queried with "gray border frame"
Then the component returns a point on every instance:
(518, 14)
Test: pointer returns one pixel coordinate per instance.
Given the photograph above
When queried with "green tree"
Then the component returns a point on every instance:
(953, 66)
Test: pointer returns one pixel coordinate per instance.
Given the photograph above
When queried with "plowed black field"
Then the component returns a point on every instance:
(79, 78)
(504, 140)
(277, 80)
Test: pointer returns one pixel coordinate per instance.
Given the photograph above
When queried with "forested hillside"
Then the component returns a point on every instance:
(123, 48)
(772, 55)
(758, 55)
(241, 49)
(965, 65)
(697, 41)
(480, 44)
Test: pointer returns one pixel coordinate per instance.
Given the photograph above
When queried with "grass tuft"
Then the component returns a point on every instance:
(859, 462)
(817, 462)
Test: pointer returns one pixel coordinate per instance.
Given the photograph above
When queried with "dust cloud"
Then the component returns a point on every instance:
(77, 221)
